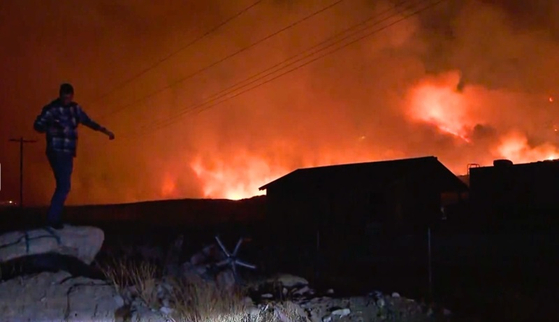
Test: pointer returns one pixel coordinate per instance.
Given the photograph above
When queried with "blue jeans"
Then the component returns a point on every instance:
(62, 165)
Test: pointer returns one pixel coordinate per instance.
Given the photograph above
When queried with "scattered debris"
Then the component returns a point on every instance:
(231, 260)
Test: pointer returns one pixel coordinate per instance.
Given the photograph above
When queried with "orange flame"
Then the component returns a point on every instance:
(240, 176)
(516, 148)
(439, 104)
(238, 173)
(235, 179)
(169, 187)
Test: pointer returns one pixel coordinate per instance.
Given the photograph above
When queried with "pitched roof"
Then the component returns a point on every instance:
(380, 171)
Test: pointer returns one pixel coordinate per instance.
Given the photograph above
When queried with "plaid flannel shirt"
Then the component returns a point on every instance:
(60, 123)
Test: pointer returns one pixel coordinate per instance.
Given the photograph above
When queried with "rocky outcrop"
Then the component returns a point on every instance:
(47, 276)
(57, 297)
(82, 243)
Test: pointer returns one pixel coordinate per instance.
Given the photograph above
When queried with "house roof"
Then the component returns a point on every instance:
(380, 171)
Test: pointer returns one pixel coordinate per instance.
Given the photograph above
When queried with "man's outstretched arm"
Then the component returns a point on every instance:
(87, 121)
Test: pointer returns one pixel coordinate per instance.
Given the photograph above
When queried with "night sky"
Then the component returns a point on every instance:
(467, 81)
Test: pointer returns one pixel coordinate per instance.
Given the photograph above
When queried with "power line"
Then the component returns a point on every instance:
(177, 116)
(172, 54)
(21, 142)
(153, 93)
(111, 60)
(233, 88)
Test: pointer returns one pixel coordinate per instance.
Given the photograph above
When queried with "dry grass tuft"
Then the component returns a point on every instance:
(193, 299)
(141, 276)
(197, 300)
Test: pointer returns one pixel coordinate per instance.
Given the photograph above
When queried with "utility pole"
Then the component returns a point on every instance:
(429, 262)
(21, 141)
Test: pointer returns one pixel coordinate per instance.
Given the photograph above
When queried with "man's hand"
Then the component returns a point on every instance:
(110, 134)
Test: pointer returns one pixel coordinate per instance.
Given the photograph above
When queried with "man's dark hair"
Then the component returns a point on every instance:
(66, 89)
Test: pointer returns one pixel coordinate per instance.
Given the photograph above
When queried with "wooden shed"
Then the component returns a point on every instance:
(348, 200)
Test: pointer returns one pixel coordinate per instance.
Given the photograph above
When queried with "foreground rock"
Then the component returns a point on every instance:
(324, 309)
(57, 297)
(363, 309)
(295, 300)
(81, 242)
(49, 262)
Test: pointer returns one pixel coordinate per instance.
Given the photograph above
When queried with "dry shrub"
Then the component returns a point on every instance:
(142, 276)
(198, 300)
(194, 299)
(288, 311)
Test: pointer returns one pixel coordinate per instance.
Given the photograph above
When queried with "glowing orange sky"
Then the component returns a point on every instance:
(469, 82)
(434, 101)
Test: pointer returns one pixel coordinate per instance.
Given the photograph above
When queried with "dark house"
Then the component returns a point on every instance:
(507, 191)
(346, 200)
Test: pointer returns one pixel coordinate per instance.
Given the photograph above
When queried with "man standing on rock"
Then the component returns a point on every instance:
(59, 120)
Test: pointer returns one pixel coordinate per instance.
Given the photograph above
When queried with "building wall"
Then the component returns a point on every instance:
(291, 212)
(348, 213)
(515, 191)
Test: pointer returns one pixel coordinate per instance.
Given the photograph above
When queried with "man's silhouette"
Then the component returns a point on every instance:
(60, 120)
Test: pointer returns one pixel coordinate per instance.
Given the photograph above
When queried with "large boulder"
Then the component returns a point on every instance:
(81, 242)
(56, 297)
